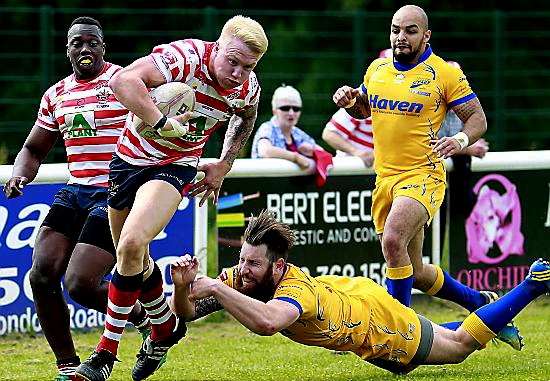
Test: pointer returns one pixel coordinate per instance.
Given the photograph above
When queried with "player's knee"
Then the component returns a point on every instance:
(131, 246)
(78, 288)
(37, 279)
(393, 245)
(44, 277)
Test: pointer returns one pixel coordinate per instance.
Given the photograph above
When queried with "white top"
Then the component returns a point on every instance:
(357, 131)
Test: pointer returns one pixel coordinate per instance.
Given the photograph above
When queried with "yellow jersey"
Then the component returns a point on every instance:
(408, 105)
(345, 314)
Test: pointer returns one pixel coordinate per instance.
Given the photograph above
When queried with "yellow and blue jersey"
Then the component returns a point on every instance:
(408, 105)
(346, 314)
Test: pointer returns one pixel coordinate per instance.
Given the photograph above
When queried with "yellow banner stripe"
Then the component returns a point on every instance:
(230, 220)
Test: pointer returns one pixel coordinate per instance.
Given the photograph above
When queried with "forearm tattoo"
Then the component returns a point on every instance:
(239, 130)
(361, 108)
(206, 306)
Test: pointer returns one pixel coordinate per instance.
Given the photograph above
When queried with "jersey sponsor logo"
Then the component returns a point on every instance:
(422, 82)
(395, 105)
(419, 86)
(419, 92)
(80, 125)
(192, 138)
(200, 125)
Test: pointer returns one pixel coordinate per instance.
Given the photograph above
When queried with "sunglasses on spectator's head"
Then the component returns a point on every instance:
(287, 108)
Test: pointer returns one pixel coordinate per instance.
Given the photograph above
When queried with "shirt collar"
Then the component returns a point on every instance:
(404, 67)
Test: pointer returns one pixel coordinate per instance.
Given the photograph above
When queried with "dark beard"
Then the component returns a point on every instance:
(262, 291)
(405, 58)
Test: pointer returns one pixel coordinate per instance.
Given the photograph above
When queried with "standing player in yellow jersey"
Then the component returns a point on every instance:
(408, 96)
(267, 295)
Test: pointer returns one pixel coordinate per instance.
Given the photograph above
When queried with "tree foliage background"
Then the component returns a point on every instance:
(315, 48)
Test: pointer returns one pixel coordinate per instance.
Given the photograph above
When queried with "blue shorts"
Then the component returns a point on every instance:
(84, 199)
(125, 180)
(79, 212)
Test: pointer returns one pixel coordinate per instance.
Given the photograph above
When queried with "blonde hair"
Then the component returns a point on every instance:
(248, 31)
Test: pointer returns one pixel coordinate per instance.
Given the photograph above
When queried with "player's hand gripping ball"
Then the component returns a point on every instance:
(173, 98)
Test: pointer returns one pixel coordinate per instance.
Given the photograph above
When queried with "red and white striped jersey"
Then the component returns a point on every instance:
(90, 119)
(186, 61)
(357, 131)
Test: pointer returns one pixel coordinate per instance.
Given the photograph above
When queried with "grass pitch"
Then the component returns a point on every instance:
(219, 348)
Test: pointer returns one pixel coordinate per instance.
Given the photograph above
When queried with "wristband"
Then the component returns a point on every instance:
(462, 139)
(160, 124)
(351, 103)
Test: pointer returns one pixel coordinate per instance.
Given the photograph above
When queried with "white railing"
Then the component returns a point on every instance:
(343, 166)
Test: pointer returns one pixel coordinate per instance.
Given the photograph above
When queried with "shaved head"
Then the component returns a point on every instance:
(409, 34)
(413, 12)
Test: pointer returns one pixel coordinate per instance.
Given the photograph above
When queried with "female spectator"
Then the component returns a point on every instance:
(279, 137)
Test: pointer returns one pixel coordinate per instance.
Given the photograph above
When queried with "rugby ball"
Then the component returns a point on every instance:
(172, 98)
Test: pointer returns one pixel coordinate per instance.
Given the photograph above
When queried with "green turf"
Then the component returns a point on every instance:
(221, 349)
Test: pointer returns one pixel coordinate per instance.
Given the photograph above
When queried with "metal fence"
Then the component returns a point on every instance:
(311, 50)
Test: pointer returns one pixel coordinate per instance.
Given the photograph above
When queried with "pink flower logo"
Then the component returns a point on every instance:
(495, 219)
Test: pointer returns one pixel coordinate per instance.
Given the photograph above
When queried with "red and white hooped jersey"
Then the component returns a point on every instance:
(356, 131)
(186, 61)
(90, 119)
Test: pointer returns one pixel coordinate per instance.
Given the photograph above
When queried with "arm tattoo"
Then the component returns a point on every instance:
(239, 130)
(361, 108)
(206, 306)
(472, 115)
(465, 110)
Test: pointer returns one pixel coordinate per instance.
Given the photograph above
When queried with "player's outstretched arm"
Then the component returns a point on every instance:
(264, 319)
(183, 271)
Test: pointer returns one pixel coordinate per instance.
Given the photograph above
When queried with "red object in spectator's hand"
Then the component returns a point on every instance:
(323, 163)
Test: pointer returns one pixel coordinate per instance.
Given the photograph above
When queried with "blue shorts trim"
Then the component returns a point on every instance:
(125, 179)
